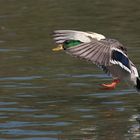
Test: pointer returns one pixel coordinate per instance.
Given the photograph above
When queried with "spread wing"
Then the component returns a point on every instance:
(102, 53)
(97, 52)
(95, 48)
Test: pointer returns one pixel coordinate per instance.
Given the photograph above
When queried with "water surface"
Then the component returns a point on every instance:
(47, 95)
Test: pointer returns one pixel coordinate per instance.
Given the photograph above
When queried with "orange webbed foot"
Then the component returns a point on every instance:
(110, 86)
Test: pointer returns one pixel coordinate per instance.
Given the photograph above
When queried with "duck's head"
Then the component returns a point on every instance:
(138, 83)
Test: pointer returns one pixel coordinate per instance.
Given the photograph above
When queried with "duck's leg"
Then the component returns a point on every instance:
(112, 85)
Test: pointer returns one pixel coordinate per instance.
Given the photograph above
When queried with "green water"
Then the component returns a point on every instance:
(47, 95)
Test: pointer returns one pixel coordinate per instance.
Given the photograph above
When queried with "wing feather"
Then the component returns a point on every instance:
(99, 51)
(95, 51)
(72, 35)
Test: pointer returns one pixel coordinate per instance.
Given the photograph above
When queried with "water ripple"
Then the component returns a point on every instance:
(83, 75)
(111, 93)
(18, 109)
(18, 132)
(20, 78)
(39, 138)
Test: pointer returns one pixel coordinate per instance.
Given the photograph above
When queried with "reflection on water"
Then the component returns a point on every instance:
(46, 95)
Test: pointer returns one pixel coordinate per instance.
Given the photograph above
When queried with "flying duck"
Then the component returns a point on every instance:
(108, 54)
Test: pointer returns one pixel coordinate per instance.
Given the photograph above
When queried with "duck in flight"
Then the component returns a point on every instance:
(108, 54)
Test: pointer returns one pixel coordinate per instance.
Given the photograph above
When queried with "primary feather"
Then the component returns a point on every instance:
(63, 35)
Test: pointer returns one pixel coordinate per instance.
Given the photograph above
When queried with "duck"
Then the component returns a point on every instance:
(107, 53)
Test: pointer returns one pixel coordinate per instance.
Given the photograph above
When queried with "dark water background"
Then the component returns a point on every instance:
(52, 96)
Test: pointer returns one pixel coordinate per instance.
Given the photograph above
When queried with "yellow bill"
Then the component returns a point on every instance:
(58, 48)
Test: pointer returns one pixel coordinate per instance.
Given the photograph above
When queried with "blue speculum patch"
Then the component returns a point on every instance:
(118, 56)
